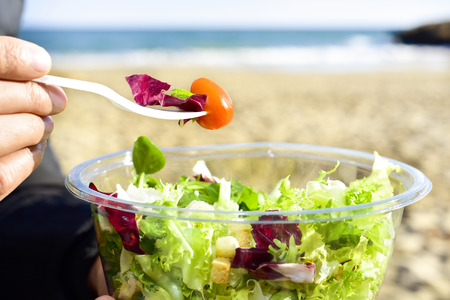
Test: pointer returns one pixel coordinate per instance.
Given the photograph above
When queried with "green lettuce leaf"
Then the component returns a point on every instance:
(183, 247)
(181, 93)
(350, 256)
(167, 281)
(110, 243)
(375, 187)
(196, 190)
(245, 196)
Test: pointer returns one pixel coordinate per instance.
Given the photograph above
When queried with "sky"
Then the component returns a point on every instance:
(232, 14)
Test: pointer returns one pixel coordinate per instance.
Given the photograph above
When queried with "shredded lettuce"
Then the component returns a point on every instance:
(175, 259)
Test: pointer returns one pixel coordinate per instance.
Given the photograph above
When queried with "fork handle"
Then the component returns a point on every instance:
(117, 99)
(70, 83)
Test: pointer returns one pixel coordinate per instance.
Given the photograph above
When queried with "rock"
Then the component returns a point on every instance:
(431, 34)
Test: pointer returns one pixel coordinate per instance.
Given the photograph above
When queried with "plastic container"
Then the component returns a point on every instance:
(360, 237)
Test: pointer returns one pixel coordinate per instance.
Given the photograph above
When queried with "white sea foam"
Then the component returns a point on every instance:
(358, 54)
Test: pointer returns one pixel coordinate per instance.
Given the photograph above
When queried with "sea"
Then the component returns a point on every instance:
(330, 50)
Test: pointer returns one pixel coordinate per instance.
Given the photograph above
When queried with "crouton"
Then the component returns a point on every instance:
(226, 246)
(234, 227)
(242, 233)
(220, 270)
(243, 238)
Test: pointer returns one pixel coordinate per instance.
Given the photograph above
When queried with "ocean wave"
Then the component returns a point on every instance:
(357, 54)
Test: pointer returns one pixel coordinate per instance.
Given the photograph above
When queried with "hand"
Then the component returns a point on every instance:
(96, 280)
(25, 109)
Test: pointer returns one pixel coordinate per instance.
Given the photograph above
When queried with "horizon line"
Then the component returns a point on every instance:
(218, 28)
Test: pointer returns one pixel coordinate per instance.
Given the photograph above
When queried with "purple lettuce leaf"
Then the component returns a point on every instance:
(250, 258)
(150, 91)
(192, 103)
(265, 234)
(124, 223)
(147, 90)
(281, 271)
(258, 261)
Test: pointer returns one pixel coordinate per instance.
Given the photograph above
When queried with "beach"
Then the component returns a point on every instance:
(401, 115)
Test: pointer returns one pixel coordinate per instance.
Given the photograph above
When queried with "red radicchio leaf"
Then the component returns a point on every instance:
(192, 103)
(207, 179)
(258, 261)
(250, 258)
(202, 173)
(264, 234)
(124, 223)
(150, 91)
(281, 271)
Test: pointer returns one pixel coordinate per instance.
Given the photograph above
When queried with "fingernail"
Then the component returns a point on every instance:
(58, 97)
(39, 147)
(49, 125)
(39, 59)
(38, 153)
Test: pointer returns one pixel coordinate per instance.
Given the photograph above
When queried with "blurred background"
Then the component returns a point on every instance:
(365, 75)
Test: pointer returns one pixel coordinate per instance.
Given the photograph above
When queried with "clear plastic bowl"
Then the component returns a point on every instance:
(358, 271)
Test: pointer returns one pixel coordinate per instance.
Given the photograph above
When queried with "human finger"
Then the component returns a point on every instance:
(104, 298)
(15, 167)
(96, 278)
(22, 60)
(23, 130)
(31, 97)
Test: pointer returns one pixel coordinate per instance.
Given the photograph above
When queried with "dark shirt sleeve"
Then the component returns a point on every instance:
(47, 244)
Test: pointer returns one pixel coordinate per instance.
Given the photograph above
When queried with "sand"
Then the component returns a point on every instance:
(402, 115)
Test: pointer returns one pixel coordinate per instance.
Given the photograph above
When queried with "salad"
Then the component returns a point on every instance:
(148, 257)
(204, 95)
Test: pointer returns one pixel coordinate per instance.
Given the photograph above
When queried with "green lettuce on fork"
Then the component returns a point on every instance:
(166, 258)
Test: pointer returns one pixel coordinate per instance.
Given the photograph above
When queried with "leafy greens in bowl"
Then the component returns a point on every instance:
(247, 221)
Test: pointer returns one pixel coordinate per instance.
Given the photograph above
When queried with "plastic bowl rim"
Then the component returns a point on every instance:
(422, 185)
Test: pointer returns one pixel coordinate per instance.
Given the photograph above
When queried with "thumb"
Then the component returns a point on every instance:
(21, 60)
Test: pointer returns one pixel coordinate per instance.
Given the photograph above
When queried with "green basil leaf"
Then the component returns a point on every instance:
(147, 158)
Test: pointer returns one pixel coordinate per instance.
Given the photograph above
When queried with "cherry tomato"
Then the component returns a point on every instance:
(218, 107)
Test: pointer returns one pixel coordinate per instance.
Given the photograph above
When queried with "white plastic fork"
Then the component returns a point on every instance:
(118, 100)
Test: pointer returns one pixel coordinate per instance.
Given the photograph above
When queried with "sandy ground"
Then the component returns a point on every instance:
(403, 115)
